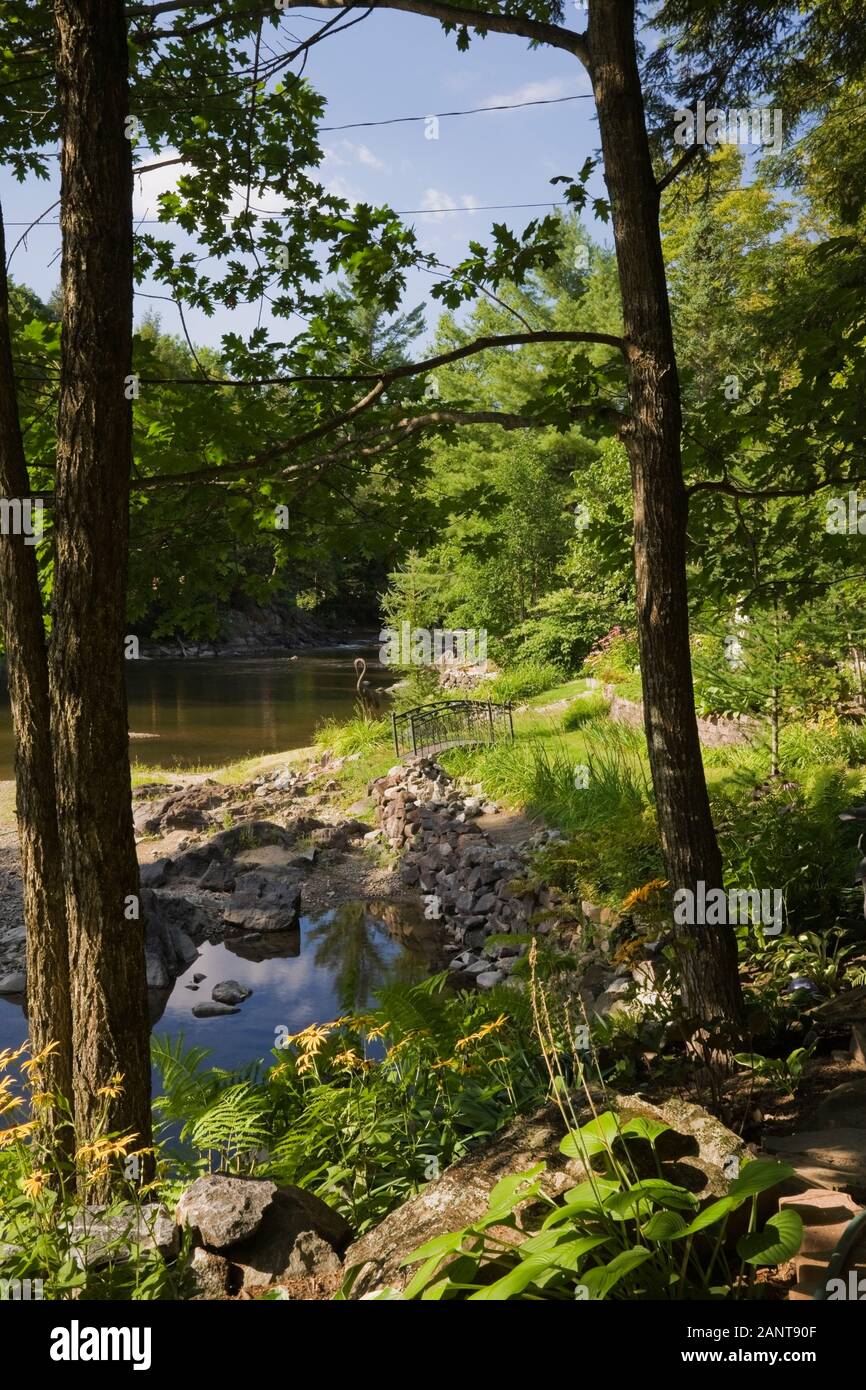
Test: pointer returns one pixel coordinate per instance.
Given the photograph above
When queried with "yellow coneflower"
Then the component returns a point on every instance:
(16, 1132)
(106, 1147)
(113, 1087)
(483, 1032)
(7, 1056)
(35, 1183)
(641, 895)
(39, 1100)
(349, 1059)
(310, 1039)
(38, 1058)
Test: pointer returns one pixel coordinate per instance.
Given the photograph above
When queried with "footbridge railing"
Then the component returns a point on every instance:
(450, 724)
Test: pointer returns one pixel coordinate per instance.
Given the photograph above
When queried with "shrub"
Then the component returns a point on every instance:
(359, 734)
(363, 1130)
(523, 681)
(586, 710)
(613, 658)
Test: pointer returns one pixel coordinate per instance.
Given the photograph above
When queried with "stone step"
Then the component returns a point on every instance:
(834, 1159)
(826, 1216)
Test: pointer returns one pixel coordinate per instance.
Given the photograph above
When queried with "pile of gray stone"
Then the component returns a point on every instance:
(482, 892)
(478, 889)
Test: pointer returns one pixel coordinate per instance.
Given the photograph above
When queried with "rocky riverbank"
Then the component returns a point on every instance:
(239, 865)
(250, 632)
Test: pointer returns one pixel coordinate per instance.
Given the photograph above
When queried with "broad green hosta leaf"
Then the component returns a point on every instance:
(538, 1267)
(759, 1176)
(710, 1215)
(603, 1278)
(595, 1137)
(666, 1194)
(559, 1247)
(508, 1192)
(779, 1240)
(643, 1127)
(663, 1225)
(586, 1197)
(439, 1245)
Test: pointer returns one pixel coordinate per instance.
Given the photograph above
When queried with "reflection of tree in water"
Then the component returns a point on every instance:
(355, 946)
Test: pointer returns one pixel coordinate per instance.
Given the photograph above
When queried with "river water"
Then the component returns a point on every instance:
(209, 712)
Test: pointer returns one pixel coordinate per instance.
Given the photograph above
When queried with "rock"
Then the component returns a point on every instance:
(168, 947)
(230, 992)
(829, 1158)
(214, 1010)
(221, 1209)
(488, 978)
(98, 1235)
(844, 1107)
(153, 875)
(15, 983)
(198, 977)
(210, 1273)
(218, 877)
(299, 1235)
(478, 968)
(264, 902)
(693, 1157)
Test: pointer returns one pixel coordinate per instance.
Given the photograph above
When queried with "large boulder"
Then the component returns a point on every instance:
(168, 945)
(264, 902)
(266, 1234)
(190, 808)
(299, 1237)
(693, 1154)
(221, 1209)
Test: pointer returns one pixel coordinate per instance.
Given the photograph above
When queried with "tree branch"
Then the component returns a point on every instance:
(676, 169)
(408, 369)
(461, 16)
(731, 489)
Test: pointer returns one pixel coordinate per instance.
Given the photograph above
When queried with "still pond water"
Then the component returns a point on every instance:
(210, 712)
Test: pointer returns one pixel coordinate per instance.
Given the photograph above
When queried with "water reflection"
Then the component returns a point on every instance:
(332, 965)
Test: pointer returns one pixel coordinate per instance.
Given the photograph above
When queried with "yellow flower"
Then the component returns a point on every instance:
(39, 1057)
(483, 1032)
(16, 1132)
(7, 1056)
(349, 1059)
(113, 1088)
(106, 1147)
(641, 895)
(309, 1040)
(32, 1186)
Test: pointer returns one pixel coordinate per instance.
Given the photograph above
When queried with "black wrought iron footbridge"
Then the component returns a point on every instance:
(450, 724)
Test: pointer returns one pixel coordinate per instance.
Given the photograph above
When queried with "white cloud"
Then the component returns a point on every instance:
(547, 90)
(346, 154)
(443, 203)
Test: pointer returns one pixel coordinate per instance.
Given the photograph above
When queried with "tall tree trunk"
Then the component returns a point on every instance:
(48, 1010)
(709, 956)
(88, 694)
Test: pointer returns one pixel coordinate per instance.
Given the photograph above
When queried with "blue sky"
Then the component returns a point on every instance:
(391, 65)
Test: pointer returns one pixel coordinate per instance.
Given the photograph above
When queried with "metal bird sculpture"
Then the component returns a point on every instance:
(369, 697)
